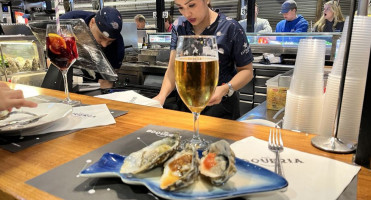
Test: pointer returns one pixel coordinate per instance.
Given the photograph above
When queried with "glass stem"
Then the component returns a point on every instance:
(196, 128)
(64, 74)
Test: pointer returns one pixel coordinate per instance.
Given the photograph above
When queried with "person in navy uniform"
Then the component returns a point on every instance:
(235, 57)
(105, 25)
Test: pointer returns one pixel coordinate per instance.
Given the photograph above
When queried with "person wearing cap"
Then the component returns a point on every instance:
(105, 25)
(261, 25)
(292, 22)
(140, 20)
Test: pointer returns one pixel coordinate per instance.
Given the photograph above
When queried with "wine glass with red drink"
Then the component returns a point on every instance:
(62, 51)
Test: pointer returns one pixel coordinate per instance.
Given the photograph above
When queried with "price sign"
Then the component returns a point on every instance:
(243, 10)
(165, 14)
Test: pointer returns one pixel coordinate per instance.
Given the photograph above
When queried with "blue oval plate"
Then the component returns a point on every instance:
(249, 179)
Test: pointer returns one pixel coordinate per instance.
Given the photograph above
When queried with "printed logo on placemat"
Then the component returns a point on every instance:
(267, 161)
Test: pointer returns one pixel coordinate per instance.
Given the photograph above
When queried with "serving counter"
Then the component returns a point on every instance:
(17, 168)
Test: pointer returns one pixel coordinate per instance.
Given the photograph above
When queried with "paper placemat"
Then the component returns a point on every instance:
(15, 142)
(131, 97)
(309, 176)
(64, 183)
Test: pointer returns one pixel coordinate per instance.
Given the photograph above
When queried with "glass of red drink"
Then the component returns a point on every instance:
(62, 51)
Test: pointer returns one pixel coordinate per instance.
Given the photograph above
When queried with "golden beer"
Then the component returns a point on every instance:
(196, 78)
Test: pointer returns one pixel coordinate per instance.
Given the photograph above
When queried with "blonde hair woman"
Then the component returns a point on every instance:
(332, 19)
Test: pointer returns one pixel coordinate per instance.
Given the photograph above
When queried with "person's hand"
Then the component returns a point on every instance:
(159, 99)
(218, 95)
(104, 84)
(12, 98)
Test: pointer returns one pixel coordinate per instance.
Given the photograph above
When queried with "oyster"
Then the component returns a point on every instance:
(218, 163)
(181, 170)
(151, 156)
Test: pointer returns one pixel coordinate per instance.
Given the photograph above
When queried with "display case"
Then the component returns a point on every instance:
(287, 43)
(283, 48)
(22, 57)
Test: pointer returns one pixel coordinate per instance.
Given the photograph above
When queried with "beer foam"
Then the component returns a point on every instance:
(196, 59)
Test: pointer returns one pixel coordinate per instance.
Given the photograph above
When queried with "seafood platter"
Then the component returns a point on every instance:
(172, 172)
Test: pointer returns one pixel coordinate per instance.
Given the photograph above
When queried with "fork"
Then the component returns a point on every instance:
(275, 144)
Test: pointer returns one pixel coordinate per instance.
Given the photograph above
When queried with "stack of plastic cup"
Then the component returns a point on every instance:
(354, 88)
(304, 99)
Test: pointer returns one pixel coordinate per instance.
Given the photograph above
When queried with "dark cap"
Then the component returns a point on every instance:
(109, 22)
(287, 6)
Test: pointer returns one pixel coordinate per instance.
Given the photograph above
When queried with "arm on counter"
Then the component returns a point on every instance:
(168, 84)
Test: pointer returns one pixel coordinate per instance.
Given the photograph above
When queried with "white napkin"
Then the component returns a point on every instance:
(309, 176)
(131, 97)
(83, 117)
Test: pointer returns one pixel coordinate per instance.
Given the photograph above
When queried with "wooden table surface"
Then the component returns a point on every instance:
(17, 168)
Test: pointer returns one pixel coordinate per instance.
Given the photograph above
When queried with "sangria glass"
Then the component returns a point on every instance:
(196, 76)
(62, 51)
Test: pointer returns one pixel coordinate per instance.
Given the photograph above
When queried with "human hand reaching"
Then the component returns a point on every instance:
(10, 98)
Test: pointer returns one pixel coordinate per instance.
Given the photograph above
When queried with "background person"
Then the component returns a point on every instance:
(261, 25)
(105, 25)
(168, 23)
(332, 19)
(140, 20)
(235, 57)
(292, 21)
(10, 98)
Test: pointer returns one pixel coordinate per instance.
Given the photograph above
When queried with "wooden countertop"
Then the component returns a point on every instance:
(17, 168)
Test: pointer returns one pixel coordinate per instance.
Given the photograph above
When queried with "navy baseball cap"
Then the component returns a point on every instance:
(287, 6)
(109, 22)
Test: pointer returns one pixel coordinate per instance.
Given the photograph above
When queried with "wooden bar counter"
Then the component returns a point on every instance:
(17, 168)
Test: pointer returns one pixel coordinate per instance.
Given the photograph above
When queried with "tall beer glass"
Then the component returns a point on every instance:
(196, 76)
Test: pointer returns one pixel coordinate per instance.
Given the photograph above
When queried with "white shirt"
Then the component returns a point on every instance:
(260, 26)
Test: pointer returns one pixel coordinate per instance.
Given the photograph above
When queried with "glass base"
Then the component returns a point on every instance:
(197, 143)
(71, 102)
(334, 145)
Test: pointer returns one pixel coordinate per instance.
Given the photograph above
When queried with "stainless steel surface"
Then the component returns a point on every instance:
(273, 66)
(275, 144)
(151, 59)
(363, 7)
(333, 144)
(160, 54)
(276, 47)
(261, 112)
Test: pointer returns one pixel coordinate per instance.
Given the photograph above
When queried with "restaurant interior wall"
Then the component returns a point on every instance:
(269, 9)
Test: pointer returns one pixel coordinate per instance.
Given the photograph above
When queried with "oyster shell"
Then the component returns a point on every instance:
(181, 170)
(218, 162)
(151, 156)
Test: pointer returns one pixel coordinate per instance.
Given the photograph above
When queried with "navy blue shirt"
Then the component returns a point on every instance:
(114, 52)
(234, 49)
